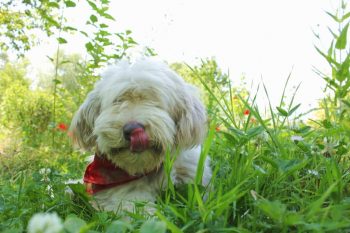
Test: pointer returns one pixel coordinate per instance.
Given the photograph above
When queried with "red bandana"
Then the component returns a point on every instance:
(102, 174)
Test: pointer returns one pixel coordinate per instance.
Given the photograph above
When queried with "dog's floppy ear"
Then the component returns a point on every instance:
(83, 122)
(191, 119)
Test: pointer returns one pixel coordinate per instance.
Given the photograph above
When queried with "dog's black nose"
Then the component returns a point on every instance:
(130, 127)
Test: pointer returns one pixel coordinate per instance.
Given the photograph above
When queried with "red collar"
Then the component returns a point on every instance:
(102, 174)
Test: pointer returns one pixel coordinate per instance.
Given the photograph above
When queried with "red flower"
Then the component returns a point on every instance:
(62, 127)
(246, 112)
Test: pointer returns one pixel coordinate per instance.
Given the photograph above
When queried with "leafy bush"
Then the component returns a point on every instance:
(28, 111)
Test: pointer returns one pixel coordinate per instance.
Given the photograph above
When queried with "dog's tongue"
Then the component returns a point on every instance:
(138, 140)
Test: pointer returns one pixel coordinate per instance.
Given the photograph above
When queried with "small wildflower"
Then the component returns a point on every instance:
(44, 171)
(313, 172)
(217, 128)
(45, 223)
(263, 137)
(296, 138)
(246, 112)
(329, 148)
(50, 191)
(62, 127)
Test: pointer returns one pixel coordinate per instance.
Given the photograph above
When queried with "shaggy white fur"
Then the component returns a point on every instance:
(149, 93)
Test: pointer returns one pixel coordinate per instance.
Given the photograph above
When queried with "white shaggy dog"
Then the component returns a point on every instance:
(135, 114)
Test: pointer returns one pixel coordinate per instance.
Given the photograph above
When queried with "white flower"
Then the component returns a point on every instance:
(263, 136)
(313, 172)
(45, 223)
(296, 138)
(45, 171)
(50, 191)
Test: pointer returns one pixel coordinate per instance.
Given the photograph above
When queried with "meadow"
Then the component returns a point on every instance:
(273, 171)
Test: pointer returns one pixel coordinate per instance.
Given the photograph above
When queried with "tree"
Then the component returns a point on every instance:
(18, 19)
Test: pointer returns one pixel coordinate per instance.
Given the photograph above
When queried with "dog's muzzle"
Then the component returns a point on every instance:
(136, 134)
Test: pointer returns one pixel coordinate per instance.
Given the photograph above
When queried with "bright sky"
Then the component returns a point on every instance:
(262, 40)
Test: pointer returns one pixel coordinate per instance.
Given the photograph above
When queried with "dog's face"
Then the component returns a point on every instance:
(138, 111)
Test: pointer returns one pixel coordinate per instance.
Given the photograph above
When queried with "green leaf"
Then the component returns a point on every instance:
(343, 72)
(274, 209)
(304, 146)
(282, 112)
(331, 82)
(328, 58)
(293, 219)
(50, 58)
(260, 169)
(172, 227)
(84, 33)
(331, 31)
(102, 25)
(27, 12)
(293, 109)
(153, 227)
(330, 50)
(93, 18)
(56, 81)
(119, 227)
(302, 130)
(327, 124)
(54, 4)
(70, 3)
(341, 93)
(252, 132)
(237, 132)
(230, 138)
(93, 5)
(61, 40)
(291, 165)
(107, 16)
(104, 33)
(334, 17)
(347, 15)
(80, 191)
(131, 41)
(347, 103)
(73, 224)
(68, 28)
(89, 46)
(341, 41)
(270, 161)
(65, 62)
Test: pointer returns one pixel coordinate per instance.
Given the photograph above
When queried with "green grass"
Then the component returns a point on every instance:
(263, 181)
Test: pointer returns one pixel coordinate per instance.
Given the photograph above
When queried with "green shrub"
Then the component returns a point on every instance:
(28, 111)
